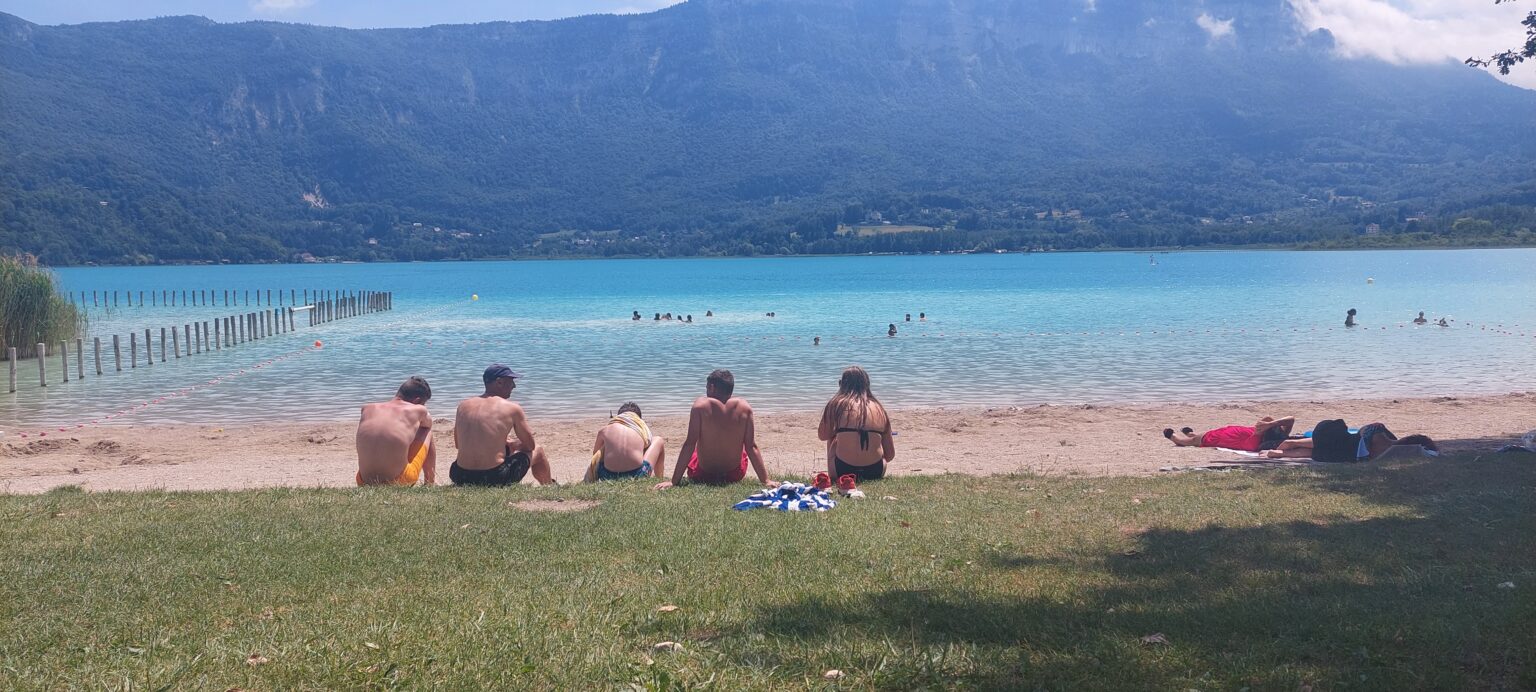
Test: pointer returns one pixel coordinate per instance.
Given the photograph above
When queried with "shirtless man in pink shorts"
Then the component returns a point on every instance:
(721, 438)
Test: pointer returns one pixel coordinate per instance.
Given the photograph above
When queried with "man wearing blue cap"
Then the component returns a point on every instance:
(491, 432)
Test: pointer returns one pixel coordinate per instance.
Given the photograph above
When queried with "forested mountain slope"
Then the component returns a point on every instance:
(740, 126)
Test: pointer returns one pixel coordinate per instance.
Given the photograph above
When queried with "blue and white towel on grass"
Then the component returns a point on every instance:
(789, 497)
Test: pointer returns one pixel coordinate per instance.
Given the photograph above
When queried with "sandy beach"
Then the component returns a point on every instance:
(1088, 440)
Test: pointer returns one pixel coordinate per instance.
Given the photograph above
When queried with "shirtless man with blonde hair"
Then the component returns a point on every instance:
(394, 439)
(721, 438)
(496, 447)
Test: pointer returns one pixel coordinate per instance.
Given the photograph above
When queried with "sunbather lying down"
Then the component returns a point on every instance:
(1333, 441)
(1265, 434)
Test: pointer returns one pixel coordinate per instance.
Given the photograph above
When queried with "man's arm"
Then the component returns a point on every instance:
(521, 430)
(754, 455)
(424, 436)
(686, 452)
(1264, 425)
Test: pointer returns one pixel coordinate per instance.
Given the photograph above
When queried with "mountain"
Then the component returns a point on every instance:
(740, 127)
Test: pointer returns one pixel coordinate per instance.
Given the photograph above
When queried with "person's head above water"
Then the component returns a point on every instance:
(720, 384)
(1351, 312)
(500, 380)
(415, 390)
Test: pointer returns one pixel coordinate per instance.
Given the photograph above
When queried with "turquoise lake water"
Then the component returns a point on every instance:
(1001, 330)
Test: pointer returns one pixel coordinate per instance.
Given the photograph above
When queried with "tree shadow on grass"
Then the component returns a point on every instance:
(1409, 601)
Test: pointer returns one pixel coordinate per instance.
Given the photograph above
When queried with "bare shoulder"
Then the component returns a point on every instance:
(741, 406)
(701, 403)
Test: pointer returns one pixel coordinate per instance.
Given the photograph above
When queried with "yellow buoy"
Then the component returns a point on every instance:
(1370, 280)
(475, 297)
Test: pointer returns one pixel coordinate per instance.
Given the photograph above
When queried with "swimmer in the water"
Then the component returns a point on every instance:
(1349, 318)
(891, 331)
(1420, 319)
(816, 341)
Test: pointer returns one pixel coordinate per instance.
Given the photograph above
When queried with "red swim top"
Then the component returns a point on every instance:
(1232, 437)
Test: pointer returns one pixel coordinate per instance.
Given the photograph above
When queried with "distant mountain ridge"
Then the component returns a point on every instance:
(735, 127)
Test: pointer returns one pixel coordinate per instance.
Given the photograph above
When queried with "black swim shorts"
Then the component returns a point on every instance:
(510, 472)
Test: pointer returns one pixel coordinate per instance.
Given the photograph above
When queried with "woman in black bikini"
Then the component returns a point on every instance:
(857, 430)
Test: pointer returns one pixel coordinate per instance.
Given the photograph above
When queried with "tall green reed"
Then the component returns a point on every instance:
(32, 310)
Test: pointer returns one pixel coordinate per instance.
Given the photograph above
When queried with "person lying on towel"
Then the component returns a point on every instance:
(394, 439)
(1333, 441)
(625, 448)
(721, 439)
(1268, 433)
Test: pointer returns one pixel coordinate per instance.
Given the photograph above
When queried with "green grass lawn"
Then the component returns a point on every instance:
(1370, 577)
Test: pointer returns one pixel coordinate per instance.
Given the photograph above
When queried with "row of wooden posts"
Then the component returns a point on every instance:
(195, 297)
(204, 336)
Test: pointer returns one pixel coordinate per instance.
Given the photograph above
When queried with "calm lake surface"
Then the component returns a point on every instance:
(1001, 330)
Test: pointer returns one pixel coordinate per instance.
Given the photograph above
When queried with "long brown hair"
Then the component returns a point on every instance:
(852, 391)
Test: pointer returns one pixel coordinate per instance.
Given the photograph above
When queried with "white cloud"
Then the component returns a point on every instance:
(1421, 31)
(1090, 5)
(276, 6)
(1217, 28)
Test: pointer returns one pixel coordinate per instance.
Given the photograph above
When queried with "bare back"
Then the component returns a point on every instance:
(385, 434)
(623, 448)
(863, 437)
(723, 429)
(482, 427)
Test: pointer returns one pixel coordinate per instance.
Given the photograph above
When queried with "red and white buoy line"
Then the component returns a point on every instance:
(192, 389)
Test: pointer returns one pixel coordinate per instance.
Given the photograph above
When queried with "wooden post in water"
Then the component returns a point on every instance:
(186, 331)
(42, 367)
(64, 359)
(162, 345)
(175, 344)
(133, 350)
(117, 353)
(269, 297)
(218, 345)
(10, 355)
(97, 351)
(79, 358)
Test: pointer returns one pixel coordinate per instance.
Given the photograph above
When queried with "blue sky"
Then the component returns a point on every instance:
(348, 13)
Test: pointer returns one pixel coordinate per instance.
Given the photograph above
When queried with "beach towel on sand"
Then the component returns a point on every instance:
(789, 497)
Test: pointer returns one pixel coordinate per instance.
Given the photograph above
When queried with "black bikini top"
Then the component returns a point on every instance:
(863, 435)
